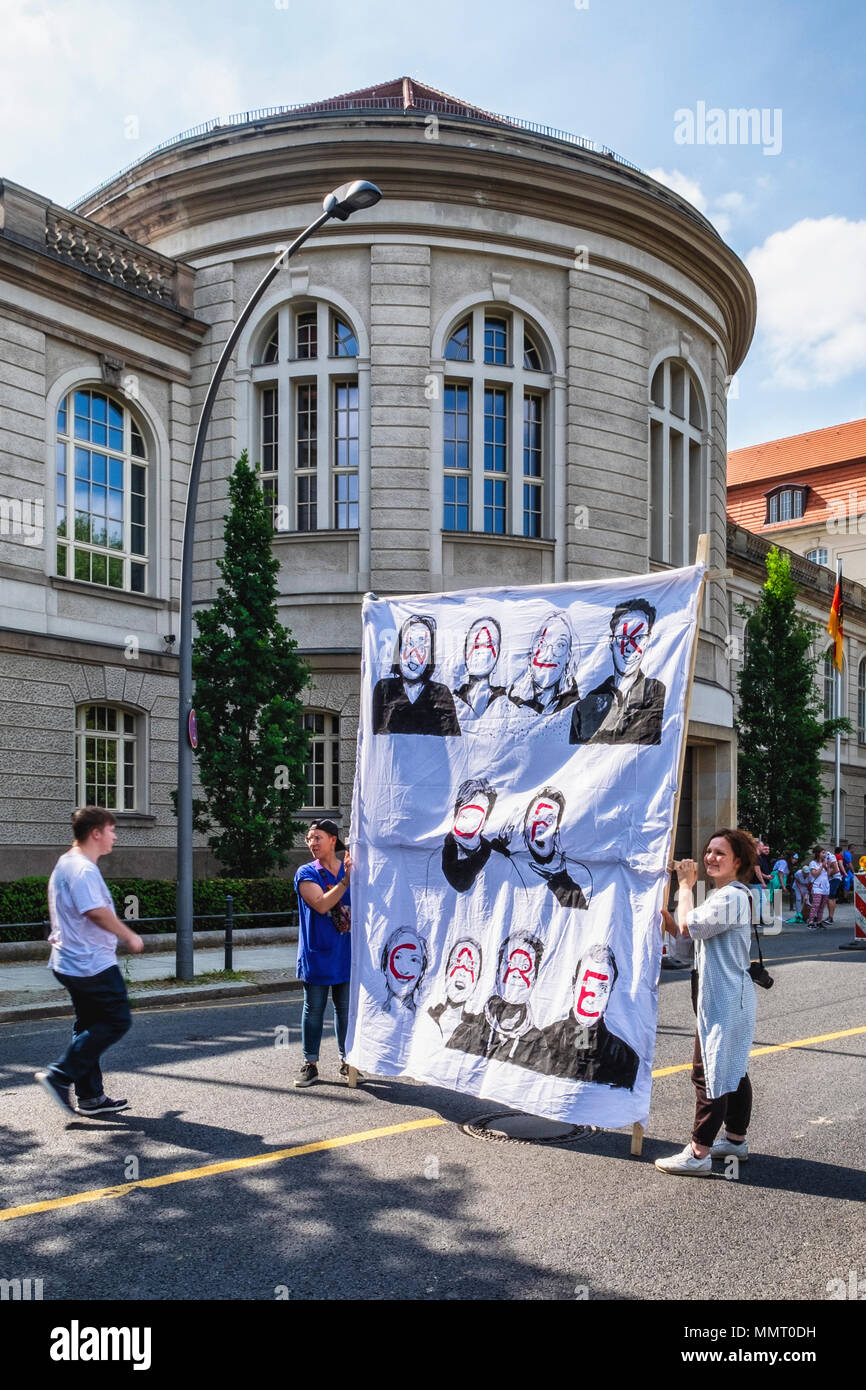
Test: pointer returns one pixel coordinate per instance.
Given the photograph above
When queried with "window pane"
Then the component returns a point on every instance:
(99, 569)
(531, 355)
(61, 560)
(496, 341)
(307, 335)
(345, 342)
(495, 430)
(494, 506)
(457, 349)
(115, 573)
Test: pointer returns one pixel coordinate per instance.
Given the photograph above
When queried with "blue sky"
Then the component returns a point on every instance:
(87, 86)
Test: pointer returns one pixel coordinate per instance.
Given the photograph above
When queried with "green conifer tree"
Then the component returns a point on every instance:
(780, 725)
(248, 678)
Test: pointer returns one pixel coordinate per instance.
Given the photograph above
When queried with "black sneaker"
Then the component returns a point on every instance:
(344, 1072)
(103, 1106)
(54, 1086)
(308, 1075)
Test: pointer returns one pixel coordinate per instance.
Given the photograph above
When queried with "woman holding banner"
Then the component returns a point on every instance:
(324, 948)
(724, 1001)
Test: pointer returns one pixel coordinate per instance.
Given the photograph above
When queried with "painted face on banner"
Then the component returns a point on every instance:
(415, 651)
(551, 649)
(540, 826)
(592, 990)
(517, 974)
(405, 964)
(629, 641)
(482, 647)
(462, 972)
(470, 818)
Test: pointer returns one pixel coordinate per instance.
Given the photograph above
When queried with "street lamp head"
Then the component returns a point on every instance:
(351, 197)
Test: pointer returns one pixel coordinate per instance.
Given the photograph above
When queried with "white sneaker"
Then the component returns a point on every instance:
(726, 1148)
(686, 1164)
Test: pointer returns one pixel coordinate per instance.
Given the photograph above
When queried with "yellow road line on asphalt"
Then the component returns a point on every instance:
(230, 1166)
(342, 1141)
(777, 1047)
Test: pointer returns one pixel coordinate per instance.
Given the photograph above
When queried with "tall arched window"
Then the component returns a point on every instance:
(102, 492)
(307, 368)
(677, 463)
(861, 701)
(497, 425)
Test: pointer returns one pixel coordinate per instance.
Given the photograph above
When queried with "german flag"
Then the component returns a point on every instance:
(834, 626)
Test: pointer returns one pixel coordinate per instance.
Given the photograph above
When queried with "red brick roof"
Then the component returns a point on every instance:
(800, 453)
(404, 93)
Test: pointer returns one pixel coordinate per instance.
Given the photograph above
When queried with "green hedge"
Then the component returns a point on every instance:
(26, 900)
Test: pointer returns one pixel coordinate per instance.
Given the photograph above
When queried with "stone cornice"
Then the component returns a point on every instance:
(251, 169)
(41, 273)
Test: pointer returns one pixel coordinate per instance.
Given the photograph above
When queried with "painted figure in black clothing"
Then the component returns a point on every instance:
(466, 850)
(569, 880)
(581, 1047)
(404, 964)
(409, 701)
(629, 706)
(462, 974)
(480, 653)
(505, 1031)
(549, 683)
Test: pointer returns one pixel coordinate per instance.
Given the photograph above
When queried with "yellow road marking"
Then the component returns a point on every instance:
(340, 1142)
(777, 1047)
(230, 1166)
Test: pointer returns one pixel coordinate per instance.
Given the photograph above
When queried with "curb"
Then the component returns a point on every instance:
(27, 1012)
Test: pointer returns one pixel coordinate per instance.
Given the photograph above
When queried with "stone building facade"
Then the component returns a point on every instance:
(512, 369)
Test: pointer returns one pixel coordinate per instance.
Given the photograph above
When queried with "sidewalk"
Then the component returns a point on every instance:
(30, 990)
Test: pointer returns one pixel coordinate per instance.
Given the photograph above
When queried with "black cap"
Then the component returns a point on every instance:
(329, 827)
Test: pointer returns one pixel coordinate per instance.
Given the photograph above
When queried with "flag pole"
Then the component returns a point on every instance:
(837, 791)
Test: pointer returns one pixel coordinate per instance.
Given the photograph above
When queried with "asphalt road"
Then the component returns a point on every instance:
(428, 1212)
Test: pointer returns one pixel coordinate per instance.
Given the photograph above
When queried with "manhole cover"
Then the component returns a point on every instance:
(504, 1126)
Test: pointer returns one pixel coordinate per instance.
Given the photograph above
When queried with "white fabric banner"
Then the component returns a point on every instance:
(518, 753)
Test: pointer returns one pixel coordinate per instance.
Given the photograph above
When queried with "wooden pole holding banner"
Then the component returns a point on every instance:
(702, 557)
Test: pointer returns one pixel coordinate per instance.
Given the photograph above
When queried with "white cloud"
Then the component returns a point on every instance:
(682, 184)
(811, 282)
(72, 74)
(720, 209)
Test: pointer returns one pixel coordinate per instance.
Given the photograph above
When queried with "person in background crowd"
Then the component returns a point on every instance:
(840, 864)
(834, 877)
(724, 1001)
(85, 931)
(848, 868)
(762, 867)
(324, 945)
(802, 891)
(820, 889)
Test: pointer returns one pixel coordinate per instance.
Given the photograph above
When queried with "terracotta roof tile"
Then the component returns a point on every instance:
(780, 458)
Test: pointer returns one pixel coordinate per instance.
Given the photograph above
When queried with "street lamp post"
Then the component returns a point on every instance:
(349, 198)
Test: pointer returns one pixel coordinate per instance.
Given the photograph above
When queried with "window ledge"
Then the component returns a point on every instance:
(83, 586)
(315, 535)
(133, 818)
(488, 538)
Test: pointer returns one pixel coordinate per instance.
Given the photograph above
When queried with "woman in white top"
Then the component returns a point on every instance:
(725, 1006)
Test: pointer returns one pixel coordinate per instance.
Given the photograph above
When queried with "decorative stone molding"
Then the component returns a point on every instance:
(111, 368)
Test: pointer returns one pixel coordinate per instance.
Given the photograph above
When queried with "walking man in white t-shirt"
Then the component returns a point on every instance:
(85, 931)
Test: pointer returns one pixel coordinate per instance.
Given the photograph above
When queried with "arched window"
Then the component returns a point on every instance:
(497, 426)
(307, 362)
(677, 464)
(786, 504)
(323, 765)
(861, 701)
(102, 492)
(107, 761)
